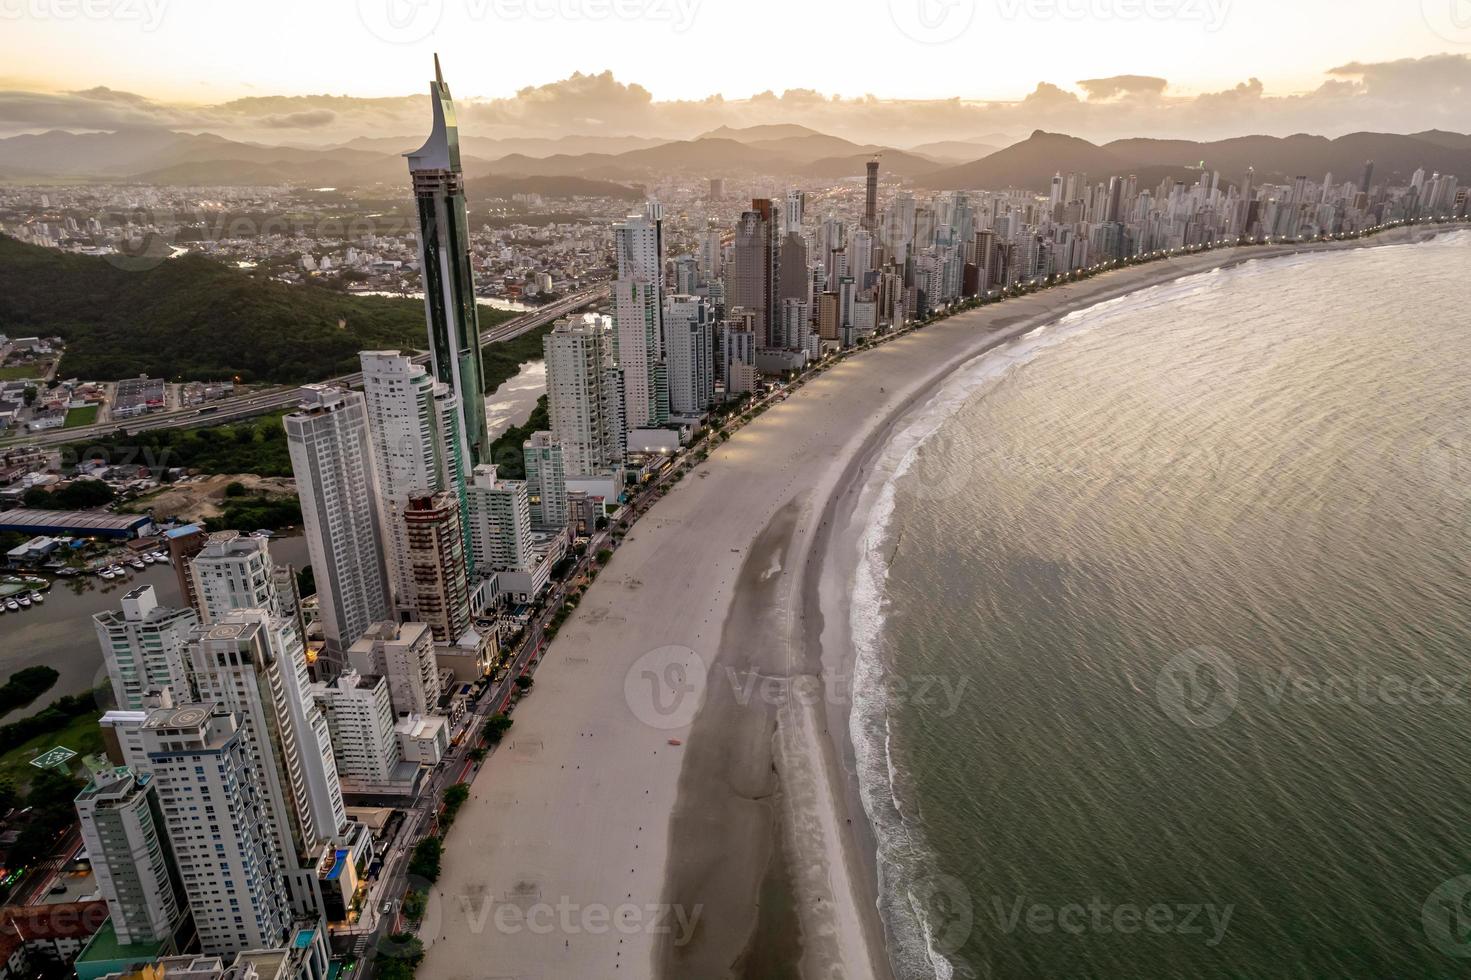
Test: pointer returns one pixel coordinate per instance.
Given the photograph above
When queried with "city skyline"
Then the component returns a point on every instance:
(700, 542)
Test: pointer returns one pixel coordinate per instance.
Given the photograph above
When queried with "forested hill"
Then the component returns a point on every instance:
(192, 318)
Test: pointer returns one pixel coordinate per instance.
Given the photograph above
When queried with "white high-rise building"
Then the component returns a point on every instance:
(691, 353)
(639, 242)
(143, 647)
(235, 571)
(794, 323)
(332, 457)
(500, 522)
(404, 654)
(123, 829)
(640, 339)
(638, 298)
(224, 851)
(413, 422)
(794, 215)
(546, 482)
(584, 396)
(254, 665)
(359, 713)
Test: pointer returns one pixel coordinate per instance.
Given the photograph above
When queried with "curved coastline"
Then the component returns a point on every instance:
(847, 597)
(740, 848)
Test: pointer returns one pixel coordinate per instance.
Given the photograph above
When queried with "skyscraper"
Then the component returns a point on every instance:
(254, 666)
(500, 522)
(444, 260)
(359, 712)
(223, 849)
(546, 481)
(332, 457)
(795, 275)
(143, 647)
(584, 396)
(438, 564)
(123, 827)
(691, 345)
(414, 425)
(755, 269)
(638, 319)
(638, 316)
(871, 196)
(403, 653)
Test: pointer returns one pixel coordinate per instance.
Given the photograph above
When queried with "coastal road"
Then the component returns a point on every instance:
(261, 402)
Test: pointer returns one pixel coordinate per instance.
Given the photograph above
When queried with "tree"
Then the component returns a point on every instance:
(30, 395)
(398, 960)
(306, 582)
(454, 798)
(496, 727)
(413, 906)
(235, 488)
(425, 861)
(524, 682)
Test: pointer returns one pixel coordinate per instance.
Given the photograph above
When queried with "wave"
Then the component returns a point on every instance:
(914, 892)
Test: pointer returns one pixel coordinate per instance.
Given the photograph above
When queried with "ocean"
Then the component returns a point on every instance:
(1164, 635)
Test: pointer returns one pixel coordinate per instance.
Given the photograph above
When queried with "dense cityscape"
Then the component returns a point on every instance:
(286, 749)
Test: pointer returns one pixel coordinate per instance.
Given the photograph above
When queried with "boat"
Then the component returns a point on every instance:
(37, 597)
(106, 573)
(12, 605)
(24, 600)
(137, 563)
(149, 559)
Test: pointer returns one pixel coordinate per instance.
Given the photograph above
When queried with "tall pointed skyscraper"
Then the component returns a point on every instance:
(444, 258)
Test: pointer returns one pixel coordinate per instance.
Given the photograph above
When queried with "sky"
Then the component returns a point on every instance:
(210, 52)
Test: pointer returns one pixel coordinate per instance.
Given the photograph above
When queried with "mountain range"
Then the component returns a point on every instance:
(614, 166)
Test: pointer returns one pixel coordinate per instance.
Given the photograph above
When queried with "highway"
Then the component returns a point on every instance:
(264, 401)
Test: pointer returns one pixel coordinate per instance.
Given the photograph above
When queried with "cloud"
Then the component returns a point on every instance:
(1046, 95)
(310, 119)
(1406, 95)
(1100, 89)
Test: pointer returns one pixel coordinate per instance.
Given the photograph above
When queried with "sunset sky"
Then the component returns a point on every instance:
(330, 70)
(190, 51)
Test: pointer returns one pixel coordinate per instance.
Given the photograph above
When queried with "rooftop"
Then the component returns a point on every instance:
(80, 520)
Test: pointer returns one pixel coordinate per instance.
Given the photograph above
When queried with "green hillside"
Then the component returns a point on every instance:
(194, 319)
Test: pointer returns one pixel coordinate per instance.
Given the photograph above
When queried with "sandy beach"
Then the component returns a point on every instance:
(593, 847)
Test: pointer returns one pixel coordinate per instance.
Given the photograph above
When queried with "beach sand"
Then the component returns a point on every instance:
(591, 846)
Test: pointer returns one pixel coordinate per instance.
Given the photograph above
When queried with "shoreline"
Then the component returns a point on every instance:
(744, 850)
(841, 556)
